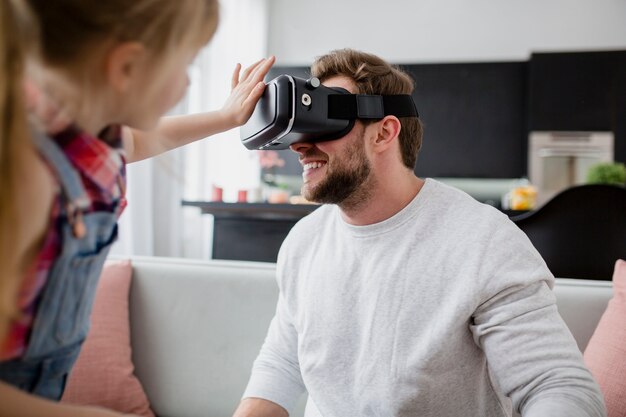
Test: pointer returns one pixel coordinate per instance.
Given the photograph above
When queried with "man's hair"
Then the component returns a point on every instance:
(372, 75)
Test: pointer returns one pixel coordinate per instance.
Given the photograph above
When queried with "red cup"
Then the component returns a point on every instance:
(242, 196)
(217, 193)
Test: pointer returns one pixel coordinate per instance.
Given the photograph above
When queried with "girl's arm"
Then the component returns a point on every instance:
(175, 131)
(16, 403)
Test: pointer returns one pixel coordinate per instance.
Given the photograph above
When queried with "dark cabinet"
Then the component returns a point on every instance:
(250, 231)
(249, 239)
(474, 117)
(570, 91)
(477, 116)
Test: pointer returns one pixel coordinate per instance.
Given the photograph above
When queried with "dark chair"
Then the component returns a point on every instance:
(580, 232)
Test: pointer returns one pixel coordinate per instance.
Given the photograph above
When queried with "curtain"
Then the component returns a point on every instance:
(155, 223)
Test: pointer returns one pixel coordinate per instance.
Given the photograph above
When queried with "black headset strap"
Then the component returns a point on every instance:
(363, 106)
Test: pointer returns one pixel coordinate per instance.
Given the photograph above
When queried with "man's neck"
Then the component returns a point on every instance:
(383, 201)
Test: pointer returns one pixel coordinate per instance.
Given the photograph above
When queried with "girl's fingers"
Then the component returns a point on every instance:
(248, 89)
(261, 71)
(248, 70)
(235, 79)
(254, 96)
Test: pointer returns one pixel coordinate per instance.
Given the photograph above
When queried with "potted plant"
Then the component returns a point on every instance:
(607, 173)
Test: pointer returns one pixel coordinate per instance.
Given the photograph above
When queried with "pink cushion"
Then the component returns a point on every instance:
(103, 374)
(605, 354)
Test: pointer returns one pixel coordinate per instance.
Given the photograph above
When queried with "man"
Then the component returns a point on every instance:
(406, 297)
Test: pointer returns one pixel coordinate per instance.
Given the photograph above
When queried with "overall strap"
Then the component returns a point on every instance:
(75, 195)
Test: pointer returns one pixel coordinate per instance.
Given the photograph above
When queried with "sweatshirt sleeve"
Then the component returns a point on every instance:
(276, 372)
(531, 354)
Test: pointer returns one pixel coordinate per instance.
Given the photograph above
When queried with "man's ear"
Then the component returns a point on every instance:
(124, 64)
(387, 132)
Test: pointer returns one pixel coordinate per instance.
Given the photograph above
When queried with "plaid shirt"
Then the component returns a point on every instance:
(101, 165)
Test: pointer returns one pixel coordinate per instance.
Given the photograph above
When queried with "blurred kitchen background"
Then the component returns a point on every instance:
(517, 98)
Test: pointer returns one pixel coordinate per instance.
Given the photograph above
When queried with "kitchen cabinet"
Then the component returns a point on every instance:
(255, 231)
(474, 117)
(250, 231)
(579, 91)
(477, 116)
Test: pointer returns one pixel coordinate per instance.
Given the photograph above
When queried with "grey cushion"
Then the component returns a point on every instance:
(196, 329)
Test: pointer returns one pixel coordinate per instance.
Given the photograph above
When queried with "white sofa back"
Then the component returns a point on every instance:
(581, 304)
(197, 326)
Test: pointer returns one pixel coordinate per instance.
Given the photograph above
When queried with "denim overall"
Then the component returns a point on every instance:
(63, 315)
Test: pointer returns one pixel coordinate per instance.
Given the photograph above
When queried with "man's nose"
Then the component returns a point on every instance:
(300, 147)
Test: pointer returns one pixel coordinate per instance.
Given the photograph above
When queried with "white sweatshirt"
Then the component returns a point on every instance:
(444, 309)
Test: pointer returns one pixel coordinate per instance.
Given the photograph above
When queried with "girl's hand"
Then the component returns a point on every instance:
(246, 91)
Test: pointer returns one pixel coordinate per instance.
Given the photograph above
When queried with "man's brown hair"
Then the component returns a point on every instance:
(372, 75)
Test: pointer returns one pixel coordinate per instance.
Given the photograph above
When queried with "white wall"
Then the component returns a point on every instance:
(420, 31)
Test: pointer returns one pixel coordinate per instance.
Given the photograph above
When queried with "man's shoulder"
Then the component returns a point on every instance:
(446, 198)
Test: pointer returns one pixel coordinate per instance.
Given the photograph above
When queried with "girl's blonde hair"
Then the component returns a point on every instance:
(78, 35)
(18, 32)
(72, 30)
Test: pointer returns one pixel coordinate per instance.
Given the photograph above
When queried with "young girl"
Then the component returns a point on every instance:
(107, 64)
(21, 218)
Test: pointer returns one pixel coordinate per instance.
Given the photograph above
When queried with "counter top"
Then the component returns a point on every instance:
(268, 210)
(253, 231)
(255, 210)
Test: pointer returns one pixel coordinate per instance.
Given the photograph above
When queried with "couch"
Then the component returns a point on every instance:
(196, 327)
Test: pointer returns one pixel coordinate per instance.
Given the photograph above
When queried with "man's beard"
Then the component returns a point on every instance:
(344, 181)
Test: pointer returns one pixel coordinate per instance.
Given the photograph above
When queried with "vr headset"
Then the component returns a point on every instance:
(294, 110)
